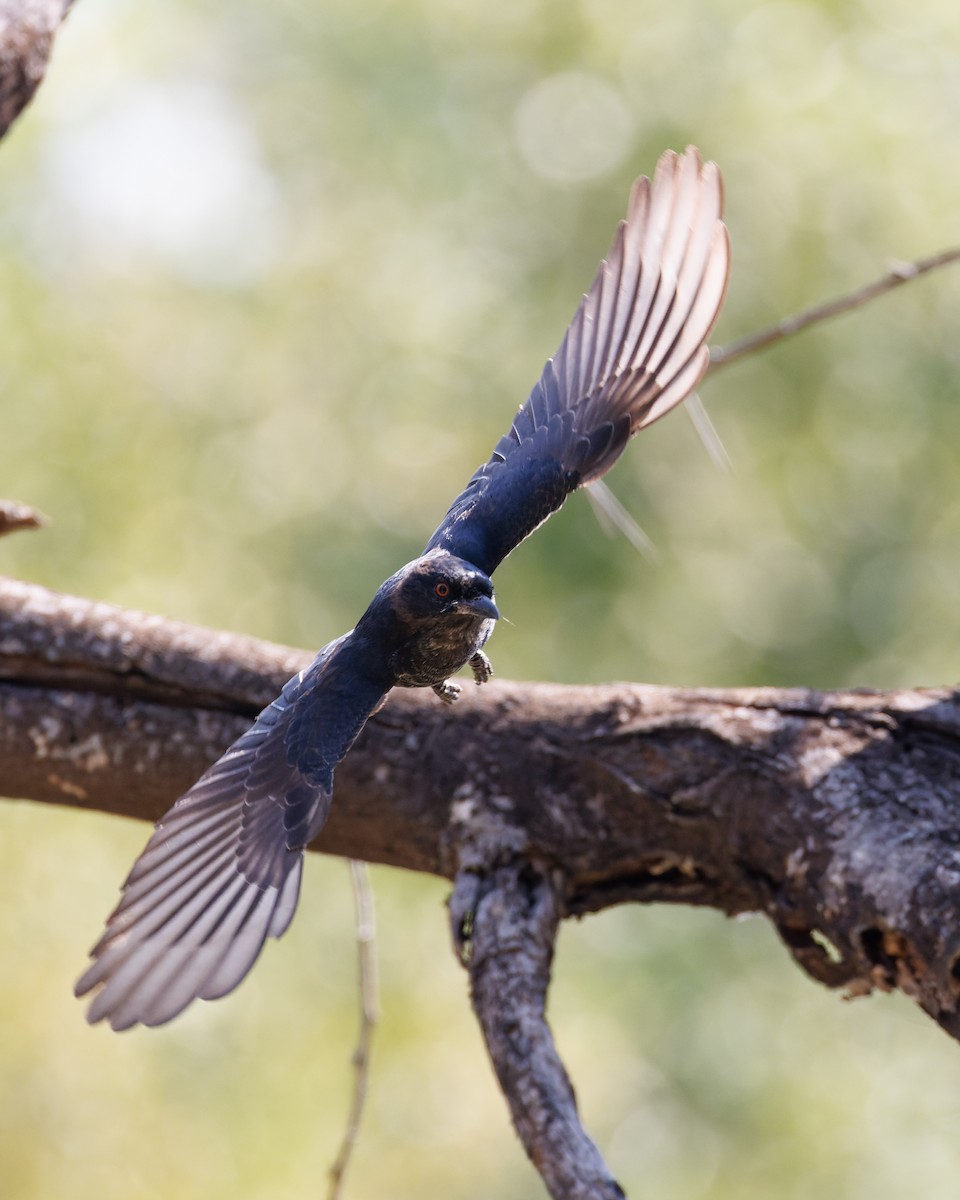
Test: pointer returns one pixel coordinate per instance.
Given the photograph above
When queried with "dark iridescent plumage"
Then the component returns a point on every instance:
(221, 872)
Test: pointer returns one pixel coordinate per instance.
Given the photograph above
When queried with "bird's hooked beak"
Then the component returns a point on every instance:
(479, 606)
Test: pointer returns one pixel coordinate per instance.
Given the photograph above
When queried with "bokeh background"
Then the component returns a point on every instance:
(272, 279)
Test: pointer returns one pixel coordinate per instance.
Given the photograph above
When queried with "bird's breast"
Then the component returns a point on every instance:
(432, 654)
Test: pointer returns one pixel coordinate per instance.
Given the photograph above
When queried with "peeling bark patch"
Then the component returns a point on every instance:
(680, 879)
(481, 831)
(88, 755)
(821, 957)
(898, 964)
(819, 766)
(69, 789)
(43, 735)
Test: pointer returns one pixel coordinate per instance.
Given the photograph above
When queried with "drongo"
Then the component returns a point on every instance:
(221, 871)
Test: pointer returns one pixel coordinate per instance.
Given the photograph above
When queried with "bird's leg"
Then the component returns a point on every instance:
(481, 666)
(448, 691)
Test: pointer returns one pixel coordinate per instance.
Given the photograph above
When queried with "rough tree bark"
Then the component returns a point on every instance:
(837, 815)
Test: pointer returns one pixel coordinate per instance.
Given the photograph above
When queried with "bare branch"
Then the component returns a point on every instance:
(897, 274)
(369, 1015)
(513, 912)
(27, 30)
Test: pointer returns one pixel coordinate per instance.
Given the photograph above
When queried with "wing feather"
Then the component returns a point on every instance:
(636, 347)
(221, 872)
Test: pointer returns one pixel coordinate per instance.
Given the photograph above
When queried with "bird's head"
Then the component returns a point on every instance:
(436, 588)
(428, 620)
(440, 585)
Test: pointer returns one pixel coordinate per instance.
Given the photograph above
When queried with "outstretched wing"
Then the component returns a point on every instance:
(634, 349)
(221, 872)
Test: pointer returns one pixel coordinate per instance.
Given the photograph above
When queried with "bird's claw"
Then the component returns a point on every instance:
(448, 691)
(482, 667)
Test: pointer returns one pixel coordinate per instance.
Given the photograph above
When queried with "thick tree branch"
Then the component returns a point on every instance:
(513, 912)
(833, 813)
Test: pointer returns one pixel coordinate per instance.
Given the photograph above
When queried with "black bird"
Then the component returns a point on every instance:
(221, 872)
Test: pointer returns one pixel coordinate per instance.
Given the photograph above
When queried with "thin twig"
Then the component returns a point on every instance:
(897, 274)
(608, 508)
(369, 1015)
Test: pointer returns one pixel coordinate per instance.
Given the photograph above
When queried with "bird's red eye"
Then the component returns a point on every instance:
(442, 590)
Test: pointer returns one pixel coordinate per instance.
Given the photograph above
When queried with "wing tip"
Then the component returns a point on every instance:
(706, 172)
(160, 973)
(636, 345)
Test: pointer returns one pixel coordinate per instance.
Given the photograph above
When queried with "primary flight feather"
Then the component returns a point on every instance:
(221, 871)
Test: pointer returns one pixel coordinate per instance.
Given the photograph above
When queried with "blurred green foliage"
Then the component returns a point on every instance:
(272, 278)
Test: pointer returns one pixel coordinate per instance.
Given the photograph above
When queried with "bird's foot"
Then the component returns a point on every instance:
(448, 691)
(482, 667)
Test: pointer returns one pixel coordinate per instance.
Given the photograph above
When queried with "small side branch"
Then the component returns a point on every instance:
(898, 274)
(513, 914)
(369, 1015)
